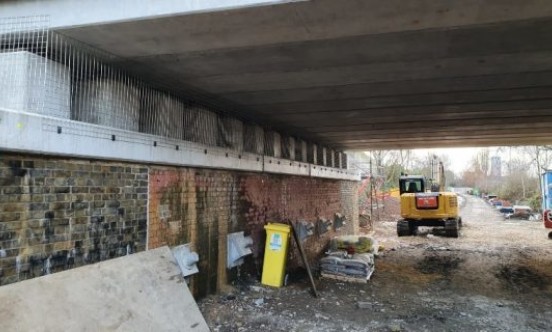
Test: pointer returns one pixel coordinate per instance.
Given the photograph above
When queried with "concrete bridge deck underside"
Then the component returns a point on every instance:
(352, 74)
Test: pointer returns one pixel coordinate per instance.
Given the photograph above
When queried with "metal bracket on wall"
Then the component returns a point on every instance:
(339, 221)
(323, 226)
(304, 229)
(186, 258)
(238, 246)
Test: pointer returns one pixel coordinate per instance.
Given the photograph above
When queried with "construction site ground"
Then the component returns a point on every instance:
(497, 276)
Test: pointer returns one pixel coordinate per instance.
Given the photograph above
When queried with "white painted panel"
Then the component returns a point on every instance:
(31, 83)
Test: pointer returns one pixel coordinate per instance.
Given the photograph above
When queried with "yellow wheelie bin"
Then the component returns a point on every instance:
(274, 265)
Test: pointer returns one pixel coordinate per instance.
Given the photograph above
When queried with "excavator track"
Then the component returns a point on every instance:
(403, 228)
(452, 227)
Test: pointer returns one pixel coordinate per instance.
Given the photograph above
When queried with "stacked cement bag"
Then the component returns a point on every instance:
(200, 125)
(107, 102)
(162, 115)
(31, 83)
(350, 258)
(341, 264)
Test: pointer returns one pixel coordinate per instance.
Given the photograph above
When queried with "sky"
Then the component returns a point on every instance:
(459, 157)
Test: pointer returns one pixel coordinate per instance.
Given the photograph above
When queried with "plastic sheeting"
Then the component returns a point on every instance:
(273, 144)
(200, 125)
(107, 102)
(288, 147)
(230, 133)
(312, 154)
(162, 115)
(254, 138)
(321, 156)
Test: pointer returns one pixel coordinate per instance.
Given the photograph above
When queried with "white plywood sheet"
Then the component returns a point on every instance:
(140, 292)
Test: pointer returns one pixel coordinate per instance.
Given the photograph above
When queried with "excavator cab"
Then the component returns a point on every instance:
(411, 184)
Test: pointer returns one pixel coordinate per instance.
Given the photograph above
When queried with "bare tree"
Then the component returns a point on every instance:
(541, 158)
(476, 174)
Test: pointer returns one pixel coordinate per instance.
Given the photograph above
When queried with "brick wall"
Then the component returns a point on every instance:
(56, 214)
(202, 206)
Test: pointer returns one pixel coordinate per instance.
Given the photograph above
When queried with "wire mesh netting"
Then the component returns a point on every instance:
(25, 69)
(44, 72)
(337, 159)
(299, 151)
(272, 144)
(254, 138)
(311, 153)
(288, 147)
(320, 156)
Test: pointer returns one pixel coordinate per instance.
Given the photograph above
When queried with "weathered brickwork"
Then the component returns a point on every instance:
(57, 214)
(202, 206)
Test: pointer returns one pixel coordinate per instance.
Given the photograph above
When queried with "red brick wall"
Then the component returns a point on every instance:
(202, 206)
(63, 213)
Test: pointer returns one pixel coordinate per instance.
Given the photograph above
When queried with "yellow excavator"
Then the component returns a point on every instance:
(422, 206)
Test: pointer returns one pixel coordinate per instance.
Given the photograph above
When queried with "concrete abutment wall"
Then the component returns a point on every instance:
(59, 213)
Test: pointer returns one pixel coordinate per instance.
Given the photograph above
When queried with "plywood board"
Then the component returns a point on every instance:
(139, 292)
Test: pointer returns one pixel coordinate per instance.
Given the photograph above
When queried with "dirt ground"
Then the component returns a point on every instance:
(497, 276)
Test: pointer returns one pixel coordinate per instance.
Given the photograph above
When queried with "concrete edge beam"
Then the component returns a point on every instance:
(333, 173)
(32, 133)
(95, 12)
(286, 166)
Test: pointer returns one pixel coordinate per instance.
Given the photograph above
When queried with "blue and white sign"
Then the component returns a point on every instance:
(275, 242)
(547, 190)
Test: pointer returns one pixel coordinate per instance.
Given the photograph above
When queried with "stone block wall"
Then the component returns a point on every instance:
(202, 206)
(57, 214)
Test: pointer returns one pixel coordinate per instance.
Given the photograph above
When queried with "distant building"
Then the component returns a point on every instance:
(496, 167)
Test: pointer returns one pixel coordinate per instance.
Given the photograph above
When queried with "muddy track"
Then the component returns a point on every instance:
(497, 276)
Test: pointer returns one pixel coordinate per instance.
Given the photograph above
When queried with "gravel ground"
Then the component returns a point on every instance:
(497, 276)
